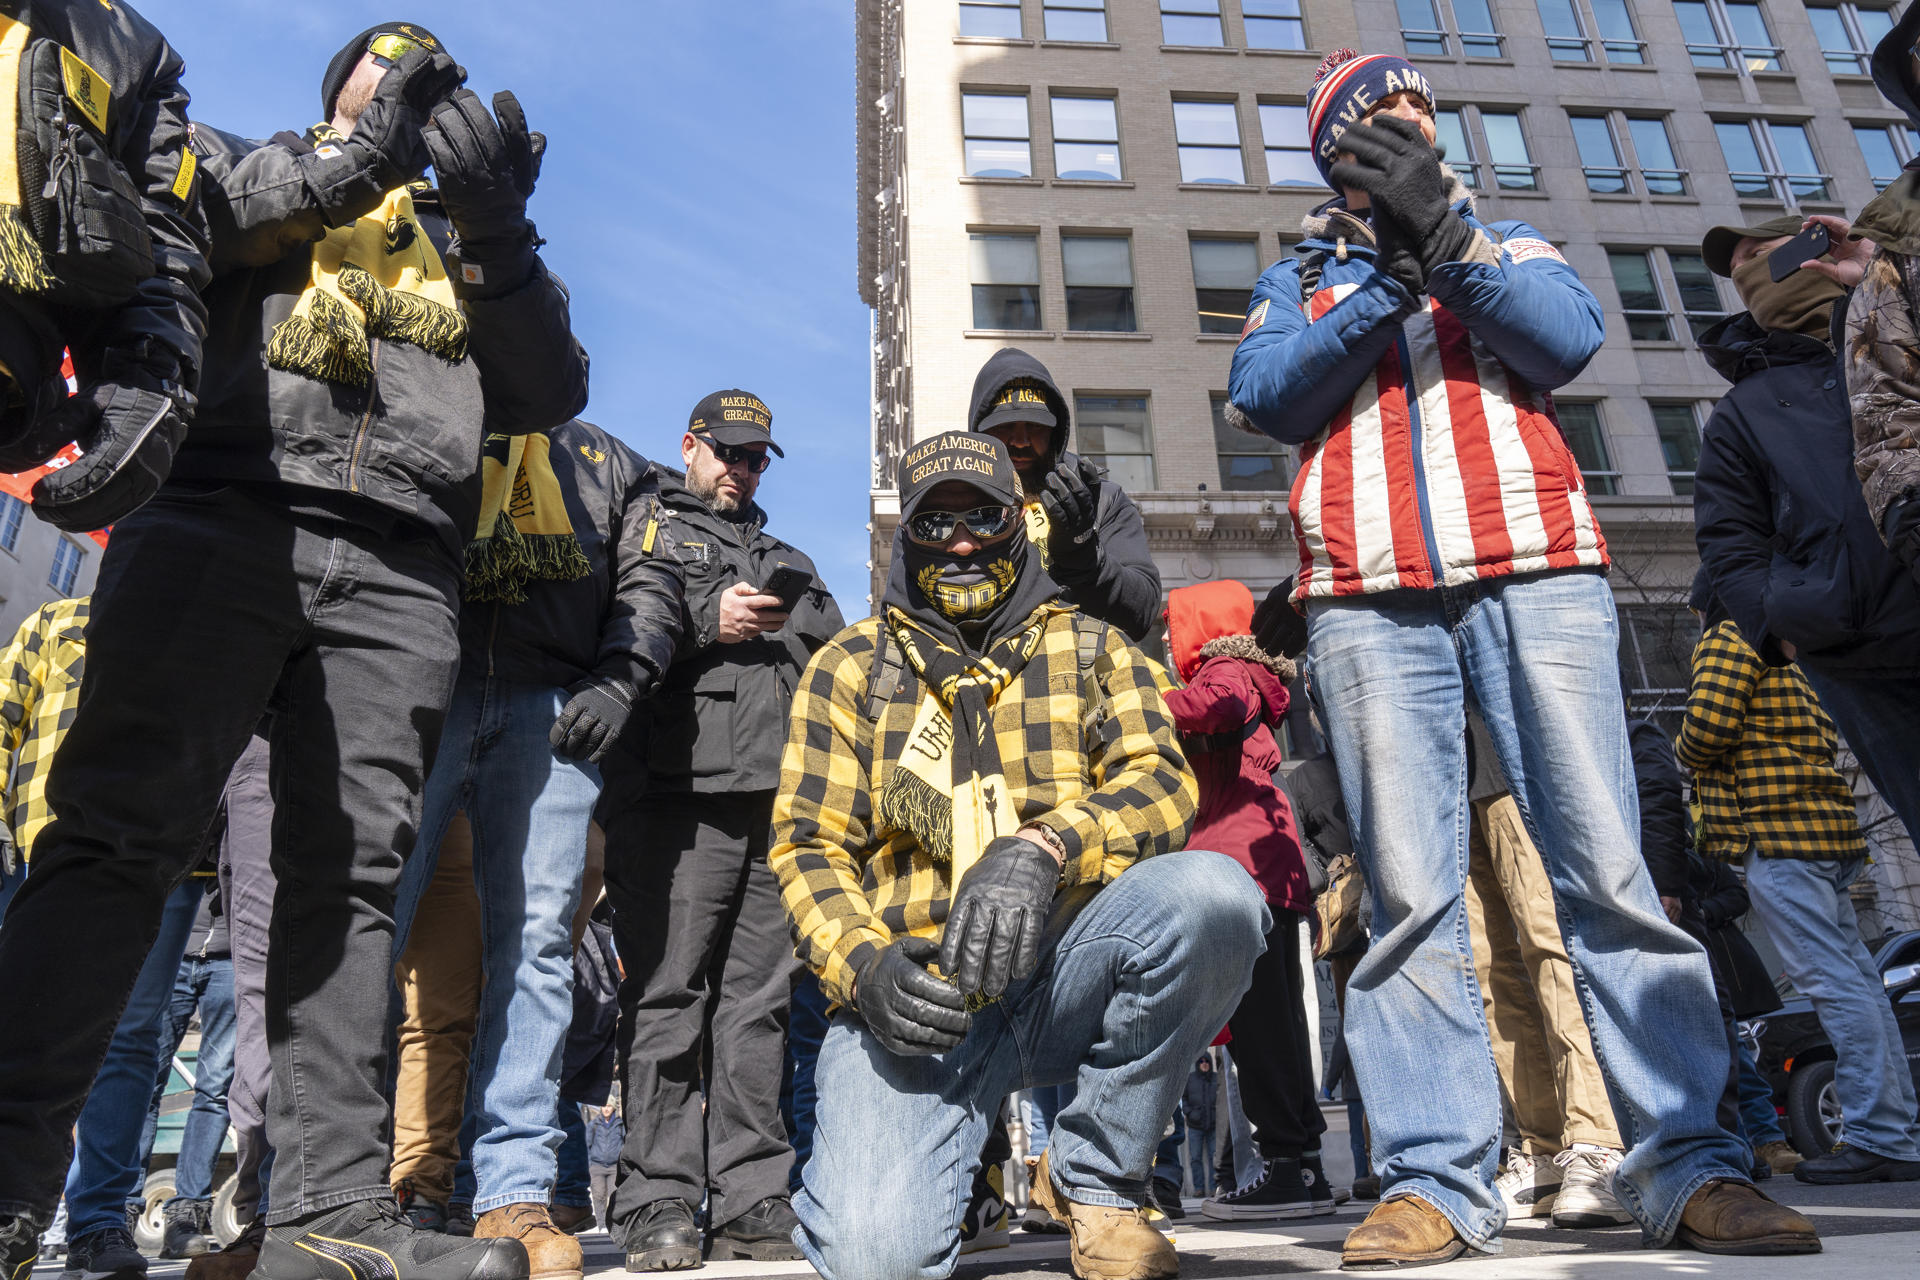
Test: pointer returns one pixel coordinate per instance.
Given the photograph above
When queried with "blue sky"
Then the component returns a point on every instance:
(697, 196)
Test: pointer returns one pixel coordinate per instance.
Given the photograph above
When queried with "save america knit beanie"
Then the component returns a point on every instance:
(1346, 86)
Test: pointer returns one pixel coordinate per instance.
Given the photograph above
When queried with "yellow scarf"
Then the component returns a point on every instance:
(525, 532)
(379, 277)
(23, 267)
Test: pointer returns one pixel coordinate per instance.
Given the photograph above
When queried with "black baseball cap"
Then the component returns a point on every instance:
(980, 461)
(1022, 400)
(1719, 244)
(735, 417)
(341, 68)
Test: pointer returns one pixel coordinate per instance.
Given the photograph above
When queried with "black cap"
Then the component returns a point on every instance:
(1022, 400)
(980, 461)
(734, 417)
(1720, 242)
(341, 68)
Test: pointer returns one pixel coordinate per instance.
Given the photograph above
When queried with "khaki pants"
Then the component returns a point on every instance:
(1540, 1042)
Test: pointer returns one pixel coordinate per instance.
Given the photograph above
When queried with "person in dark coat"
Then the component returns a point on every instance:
(1197, 1106)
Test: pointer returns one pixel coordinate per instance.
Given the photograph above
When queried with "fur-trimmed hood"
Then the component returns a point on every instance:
(1248, 649)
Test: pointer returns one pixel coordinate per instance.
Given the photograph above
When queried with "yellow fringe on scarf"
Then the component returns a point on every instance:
(525, 532)
(23, 268)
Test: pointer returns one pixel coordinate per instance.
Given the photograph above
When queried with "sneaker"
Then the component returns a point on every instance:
(1528, 1185)
(236, 1261)
(1778, 1156)
(985, 1224)
(372, 1240)
(664, 1237)
(1166, 1198)
(186, 1233)
(1281, 1191)
(1849, 1164)
(552, 1254)
(459, 1220)
(428, 1215)
(106, 1254)
(763, 1233)
(1041, 1222)
(19, 1247)
(1586, 1188)
(1325, 1198)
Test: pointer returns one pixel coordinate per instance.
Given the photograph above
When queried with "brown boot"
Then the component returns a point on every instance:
(1726, 1216)
(1106, 1243)
(1778, 1156)
(552, 1254)
(1405, 1231)
(236, 1261)
(572, 1218)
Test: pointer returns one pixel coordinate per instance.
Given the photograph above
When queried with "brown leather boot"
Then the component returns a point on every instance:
(1106, 1243)
(1405, 1231)
(1726, 1216)
(1778, 1156)
(236, 1261)
(552, 1254)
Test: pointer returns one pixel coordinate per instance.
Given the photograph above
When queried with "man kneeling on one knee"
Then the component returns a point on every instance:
(979, 733)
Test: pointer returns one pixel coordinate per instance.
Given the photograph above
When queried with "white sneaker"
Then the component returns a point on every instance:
(1586, 1190)
(1528, 1185)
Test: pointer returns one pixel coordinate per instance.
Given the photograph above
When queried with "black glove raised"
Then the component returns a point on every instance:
(1404, 180)
(128, 423)
(386, 149)
(1071, 499)
(993, 927)
(485, 171)
(596, 711)
(909, 1011)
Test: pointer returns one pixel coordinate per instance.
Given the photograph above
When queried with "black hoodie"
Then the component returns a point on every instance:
(1122, 587)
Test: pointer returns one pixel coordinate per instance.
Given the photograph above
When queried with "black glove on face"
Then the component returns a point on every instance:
(1402, 175)
(993, 927)
(909, 1011)
(1071, 499)
(385, 149)
(485, 170)
(128, 424)
(590, 723)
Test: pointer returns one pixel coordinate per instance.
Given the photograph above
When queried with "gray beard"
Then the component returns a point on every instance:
(733, 509)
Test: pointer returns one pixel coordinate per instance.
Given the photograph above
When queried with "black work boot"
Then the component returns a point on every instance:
(663, 1237)
(372, 1240)
(107, 1254)
(186, 1235)
(763, 1233)
(19, 1246)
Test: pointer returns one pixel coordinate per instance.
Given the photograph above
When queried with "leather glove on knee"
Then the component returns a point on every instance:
(993, 927)
(1404, 180)
(909, 1011)
(590, 723)
(128, 423)
(385, 149)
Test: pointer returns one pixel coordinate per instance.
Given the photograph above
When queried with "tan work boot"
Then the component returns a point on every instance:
(1106, 1243)
(1726, 1216)
(236, 1261)
(552, 1254)
(1405, 1231)
(1778, 1156)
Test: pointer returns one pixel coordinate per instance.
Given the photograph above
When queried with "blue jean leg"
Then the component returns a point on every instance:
(1757, 1114)
(573, 1179)
(1809, 915)
(107, 1138)
(807, 1021)
(206, 1128)
(1044, 1102)
(1200, 1148)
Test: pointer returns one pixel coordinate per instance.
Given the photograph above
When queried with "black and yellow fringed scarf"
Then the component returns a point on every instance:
(379, 277)
(23, 268)
(525, 532)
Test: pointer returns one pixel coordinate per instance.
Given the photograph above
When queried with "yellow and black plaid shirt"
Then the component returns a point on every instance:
(42, 668)
(1113, 786)
(1761, 750)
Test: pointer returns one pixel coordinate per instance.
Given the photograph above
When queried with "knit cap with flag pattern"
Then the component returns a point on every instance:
(1346, 86)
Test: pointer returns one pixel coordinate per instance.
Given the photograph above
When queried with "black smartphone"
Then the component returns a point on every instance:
(789, 584)
(1805, 247)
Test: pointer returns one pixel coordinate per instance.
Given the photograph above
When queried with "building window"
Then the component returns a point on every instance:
(1599, 156)
(1274, 24)
(1191, 22)
(66, 566)
(1656, 660)
(1566, 37)
(1086, 140)
(1512, 163)
(1224, 272)
(1479, 35)
(1679, 433)
(1771, 161)
(1084, 21)
(998, 18)
(1452, 130)
(1099, 277)
(1006, 280)
(1847, 35)
(1209, 138)
(1420, 28)
(1619, 38)
(1256, 463)
(1653, 148)
(1113, 432)
(1283, 127)
(1640, 299)
(995, 125)
(12, 513)
(1580, 423)
(1886, 149)
(1699, 292)
(1727, 33)
(1598, 139)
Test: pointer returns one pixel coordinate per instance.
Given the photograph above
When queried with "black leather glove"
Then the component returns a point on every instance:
(596, 711)
(910, 1011)
(1277, 626)
(385, 149)
(128, 423)
(1071, 499)
(485, 171)
(994, 924)
(1402, 175)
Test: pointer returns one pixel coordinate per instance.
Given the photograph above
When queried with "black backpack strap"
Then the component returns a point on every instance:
(1311, 269)
(883, 677)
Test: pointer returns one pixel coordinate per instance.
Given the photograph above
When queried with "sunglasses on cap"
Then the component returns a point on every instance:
(389, 47)
(985, 523)
(738, 455)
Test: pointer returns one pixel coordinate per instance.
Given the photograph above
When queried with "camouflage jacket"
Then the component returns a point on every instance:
(1883, 350)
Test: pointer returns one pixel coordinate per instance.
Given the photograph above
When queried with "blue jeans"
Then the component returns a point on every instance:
(1757, 1114)
(529, 810)
(106, 1155)
(1538, 655)
(1044, 1103)
(1877, 715)
(1123, 1001)
(1200, 1157)
(206, 985)
(1809, 915)
(806, 1028)
(573, 1180)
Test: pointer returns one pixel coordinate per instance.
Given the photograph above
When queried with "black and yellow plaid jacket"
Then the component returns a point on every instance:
(1761, 750)
(1104, 773)
(42, 669)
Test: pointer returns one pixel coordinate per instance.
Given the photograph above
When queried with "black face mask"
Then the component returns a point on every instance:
(968, 588)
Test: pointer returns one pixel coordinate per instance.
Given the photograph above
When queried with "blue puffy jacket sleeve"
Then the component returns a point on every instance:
(1531, 311)
(1290, 377)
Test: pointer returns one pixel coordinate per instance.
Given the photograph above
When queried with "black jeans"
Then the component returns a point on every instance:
(1271, 1048)
(710, 968)
(209, 606)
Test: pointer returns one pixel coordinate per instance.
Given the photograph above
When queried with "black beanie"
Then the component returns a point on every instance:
(343, 62)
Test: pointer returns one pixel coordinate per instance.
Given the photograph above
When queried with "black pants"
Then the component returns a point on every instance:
(710, 968)
(1272, 1051)
(210, 605)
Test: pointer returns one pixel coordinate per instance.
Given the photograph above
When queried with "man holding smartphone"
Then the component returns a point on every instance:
(697, 914)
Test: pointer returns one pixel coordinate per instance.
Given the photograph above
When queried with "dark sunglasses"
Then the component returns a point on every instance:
(389, 47)
(985, 523)
(754, 460)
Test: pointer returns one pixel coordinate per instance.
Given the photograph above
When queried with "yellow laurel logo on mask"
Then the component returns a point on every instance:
(86, 87)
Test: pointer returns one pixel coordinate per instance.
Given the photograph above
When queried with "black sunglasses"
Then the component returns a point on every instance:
(731, 455)
(985, 523)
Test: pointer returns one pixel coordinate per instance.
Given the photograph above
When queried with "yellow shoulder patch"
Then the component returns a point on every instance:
(87, 88)
(592, 454)
(183, 182)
